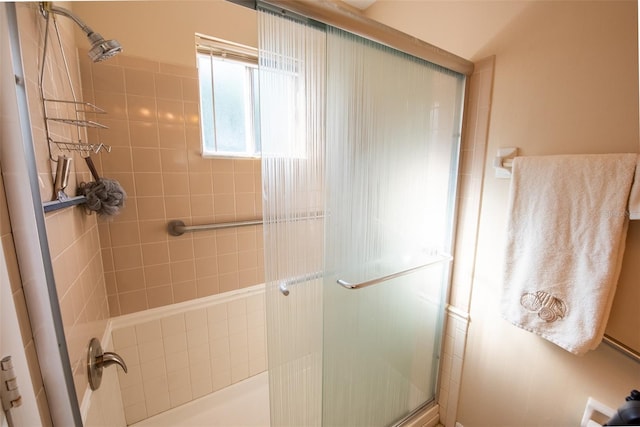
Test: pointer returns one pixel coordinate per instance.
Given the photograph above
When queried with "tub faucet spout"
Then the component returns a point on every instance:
(108, 358)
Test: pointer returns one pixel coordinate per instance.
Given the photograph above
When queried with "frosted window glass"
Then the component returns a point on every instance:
(229, 106)
(229, 91)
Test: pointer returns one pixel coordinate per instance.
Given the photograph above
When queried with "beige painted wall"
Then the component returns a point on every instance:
(164, 30)
(566, 81)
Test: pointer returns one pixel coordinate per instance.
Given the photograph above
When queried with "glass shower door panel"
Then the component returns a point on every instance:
(393, 132)
(379, 359)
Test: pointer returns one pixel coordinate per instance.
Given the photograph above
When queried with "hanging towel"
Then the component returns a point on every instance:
(565, 239)
(634, 197)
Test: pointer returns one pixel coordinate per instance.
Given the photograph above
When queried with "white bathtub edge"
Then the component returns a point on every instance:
(132, 319)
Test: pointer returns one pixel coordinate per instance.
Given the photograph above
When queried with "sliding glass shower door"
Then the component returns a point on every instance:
(393, 131)
(360, 155)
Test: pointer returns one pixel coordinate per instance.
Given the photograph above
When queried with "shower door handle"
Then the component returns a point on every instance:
(437, 260)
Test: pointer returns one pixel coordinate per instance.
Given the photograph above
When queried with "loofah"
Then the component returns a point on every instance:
(104, 196)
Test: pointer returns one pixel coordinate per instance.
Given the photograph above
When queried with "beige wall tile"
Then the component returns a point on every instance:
(116, 136)
(228, 281)
(170, 111)
(172, 136)
(184, 291)
(127, 257)
(180, 250)
(143, 134)
(223, 183)
(182, 271)
(131, 302)
(202, 205)
(150, 208)
(224, 205)
(190, 90)
(146, 160)
(130, 280)
(115, 104)
(177, 207)
(175, 160)
(191, 113)
(124, 233)
(107, 78)
(118, 160)
(168, 86)
(157, 275)
(139, 82)
(200, 183)
(176, 184)
(152, 231)
(155, 253)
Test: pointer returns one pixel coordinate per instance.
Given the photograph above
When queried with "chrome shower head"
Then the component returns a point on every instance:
(101, 49)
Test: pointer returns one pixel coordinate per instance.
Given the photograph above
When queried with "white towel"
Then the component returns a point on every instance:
(565, 240)
(634, 197)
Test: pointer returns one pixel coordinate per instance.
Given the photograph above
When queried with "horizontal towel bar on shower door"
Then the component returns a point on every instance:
(348, 285)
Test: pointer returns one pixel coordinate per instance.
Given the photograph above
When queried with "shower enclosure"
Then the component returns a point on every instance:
(360, 156)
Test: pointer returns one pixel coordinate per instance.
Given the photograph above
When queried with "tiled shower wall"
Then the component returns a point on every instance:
(154, 132)
(72, 234)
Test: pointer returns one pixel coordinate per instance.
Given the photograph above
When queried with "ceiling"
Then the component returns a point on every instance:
(360, 4)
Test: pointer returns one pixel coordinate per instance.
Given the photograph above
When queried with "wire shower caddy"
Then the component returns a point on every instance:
(80, 108)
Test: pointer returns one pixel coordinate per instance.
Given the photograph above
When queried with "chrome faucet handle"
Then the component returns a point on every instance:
(97, 360)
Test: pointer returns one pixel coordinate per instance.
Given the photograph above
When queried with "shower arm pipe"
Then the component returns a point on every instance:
(337, 15)
(48, 7)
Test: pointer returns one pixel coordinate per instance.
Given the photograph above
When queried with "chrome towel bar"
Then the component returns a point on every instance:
(437, 260)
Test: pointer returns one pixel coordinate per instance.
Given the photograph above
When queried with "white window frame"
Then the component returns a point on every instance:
(218, 49)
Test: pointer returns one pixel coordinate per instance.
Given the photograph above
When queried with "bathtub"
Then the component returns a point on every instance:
(242, 404)
(194, 355)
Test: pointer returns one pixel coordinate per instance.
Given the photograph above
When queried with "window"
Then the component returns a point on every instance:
(228, 74)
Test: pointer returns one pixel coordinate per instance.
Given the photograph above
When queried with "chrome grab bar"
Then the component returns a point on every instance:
(349, 285)
(178, 228)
